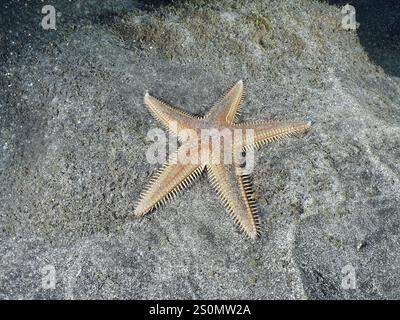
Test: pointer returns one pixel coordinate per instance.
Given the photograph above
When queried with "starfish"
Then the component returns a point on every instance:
(231, 182)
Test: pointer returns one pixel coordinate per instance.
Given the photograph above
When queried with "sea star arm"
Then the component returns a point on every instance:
(261, 132)
(227, 108)
(236, 193)
(168, 181)
(173, 119)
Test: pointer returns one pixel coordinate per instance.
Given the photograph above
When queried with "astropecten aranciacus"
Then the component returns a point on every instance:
(232, 183)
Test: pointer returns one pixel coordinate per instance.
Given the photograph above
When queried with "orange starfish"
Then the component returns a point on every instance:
(231, 182)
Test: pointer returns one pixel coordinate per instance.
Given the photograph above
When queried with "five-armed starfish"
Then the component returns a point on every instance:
(232, 184)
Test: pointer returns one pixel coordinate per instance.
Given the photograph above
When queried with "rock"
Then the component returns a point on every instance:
(73, 132)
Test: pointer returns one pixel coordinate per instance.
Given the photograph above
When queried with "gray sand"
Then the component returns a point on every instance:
(73, 132)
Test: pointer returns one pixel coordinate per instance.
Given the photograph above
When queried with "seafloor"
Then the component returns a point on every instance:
(73, 129)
